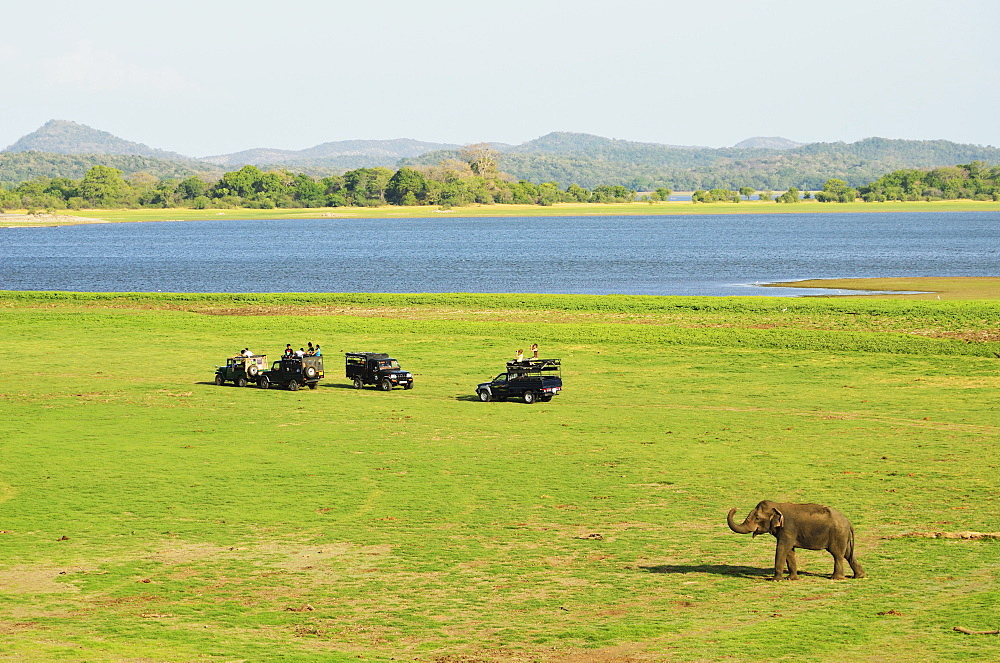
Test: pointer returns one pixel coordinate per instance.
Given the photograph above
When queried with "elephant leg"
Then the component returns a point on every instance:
(793, 565)
(781, 553)
(838, 564)
(855, 565)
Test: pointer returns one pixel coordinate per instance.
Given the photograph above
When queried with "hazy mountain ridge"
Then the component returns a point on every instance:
(65, 137)
(765, 163)
(767, 143)
(379, 152)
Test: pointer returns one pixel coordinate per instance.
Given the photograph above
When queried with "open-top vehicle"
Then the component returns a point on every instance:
(376, 368)
(531, 380)
(292, 373)
(240, 370)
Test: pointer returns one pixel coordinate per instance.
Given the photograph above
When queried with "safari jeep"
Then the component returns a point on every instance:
(240, 370)
(376, 368)
(292, 373)
(530, 380)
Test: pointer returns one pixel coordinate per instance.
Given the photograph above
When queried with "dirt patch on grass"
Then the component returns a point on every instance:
(305, 557)
(11, 628)
(36, 580)
(183, 553)
(615, 654)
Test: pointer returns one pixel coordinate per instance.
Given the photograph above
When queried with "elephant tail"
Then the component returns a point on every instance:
(859, 571)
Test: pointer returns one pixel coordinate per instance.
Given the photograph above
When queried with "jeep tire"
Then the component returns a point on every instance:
(485, 396)
(386, 384)
(293, 385)
(263, 382)
(358, 384)
(219, 380)
(530, 397)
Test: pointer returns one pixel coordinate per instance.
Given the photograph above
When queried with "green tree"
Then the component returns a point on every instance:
(836, 191)
(578, 193)
(191, 188)
(103, 186)
(307, 192)
(238, 184)
(662, 194)
(548, 193)
(406, 187)
(9, 200)
(790, 196)
(746, 191)
(612, 194)
(366, 186)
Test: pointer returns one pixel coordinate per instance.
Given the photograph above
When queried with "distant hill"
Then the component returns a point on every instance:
(767, 143)
(344, 154)
(564, 142)
(592, 160)
(64, 137)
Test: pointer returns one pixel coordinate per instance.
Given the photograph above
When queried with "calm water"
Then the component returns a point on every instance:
(661, 255)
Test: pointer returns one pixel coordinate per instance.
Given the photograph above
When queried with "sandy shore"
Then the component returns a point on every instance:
(13, 220)
(918, 287)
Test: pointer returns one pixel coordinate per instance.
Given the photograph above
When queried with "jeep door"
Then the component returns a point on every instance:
(499, 386)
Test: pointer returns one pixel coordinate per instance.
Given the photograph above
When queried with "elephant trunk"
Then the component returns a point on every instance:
(744, 528)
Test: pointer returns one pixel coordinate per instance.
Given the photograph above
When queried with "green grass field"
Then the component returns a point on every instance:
(560, 209)
(149, 515)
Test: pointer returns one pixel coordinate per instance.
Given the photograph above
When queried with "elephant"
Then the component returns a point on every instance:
(809, 526)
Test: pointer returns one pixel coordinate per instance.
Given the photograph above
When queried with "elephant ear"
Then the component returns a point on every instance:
(777, 520)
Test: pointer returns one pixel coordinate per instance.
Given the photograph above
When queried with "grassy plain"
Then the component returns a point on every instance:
(149, 515)
(560, 209)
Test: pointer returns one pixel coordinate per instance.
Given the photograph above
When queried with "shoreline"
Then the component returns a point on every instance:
(939, 288)
(672, 208)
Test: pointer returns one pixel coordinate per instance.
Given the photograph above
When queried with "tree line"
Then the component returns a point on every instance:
(451, 183)
(473, 179)
(974, 181)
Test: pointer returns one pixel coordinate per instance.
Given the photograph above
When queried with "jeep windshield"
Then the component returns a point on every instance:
(388, 365)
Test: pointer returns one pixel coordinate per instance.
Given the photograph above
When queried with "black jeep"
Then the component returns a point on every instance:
(292, 372)
(240, 370)
(378, 369)
(531, 380)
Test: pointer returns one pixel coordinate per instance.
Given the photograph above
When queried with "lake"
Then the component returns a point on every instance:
(647, 255)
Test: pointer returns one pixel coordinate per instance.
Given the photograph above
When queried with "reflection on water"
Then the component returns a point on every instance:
(650, 255)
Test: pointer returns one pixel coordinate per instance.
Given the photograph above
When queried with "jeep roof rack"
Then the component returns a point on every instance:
(533, 365)
(367, 355)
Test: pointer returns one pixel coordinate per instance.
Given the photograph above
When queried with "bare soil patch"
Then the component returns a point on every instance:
(930, 287)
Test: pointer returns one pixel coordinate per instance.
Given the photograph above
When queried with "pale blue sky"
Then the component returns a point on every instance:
(209, 77)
